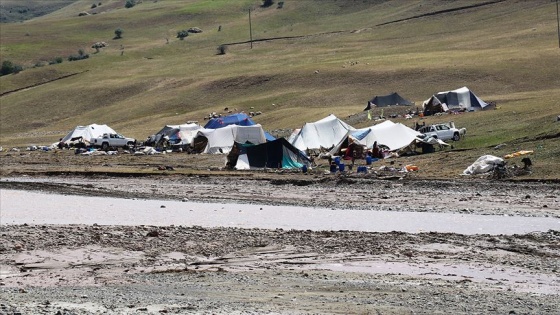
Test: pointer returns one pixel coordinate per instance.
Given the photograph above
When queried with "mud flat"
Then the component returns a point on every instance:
(186, 268)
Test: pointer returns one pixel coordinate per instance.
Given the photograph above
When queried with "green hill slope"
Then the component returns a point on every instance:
(308, 59)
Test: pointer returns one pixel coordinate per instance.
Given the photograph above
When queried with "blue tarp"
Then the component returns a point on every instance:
(233, 119)
(361, 134)
(274, 154)
(239, 119)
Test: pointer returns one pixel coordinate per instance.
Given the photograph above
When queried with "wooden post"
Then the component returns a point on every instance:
(251, 27)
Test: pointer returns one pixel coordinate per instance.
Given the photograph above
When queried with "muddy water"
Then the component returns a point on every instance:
(19, 207)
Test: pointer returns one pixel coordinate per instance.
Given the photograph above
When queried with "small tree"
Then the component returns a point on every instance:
(129, 4)
(267, 3)
(118, 33)
(182, 34)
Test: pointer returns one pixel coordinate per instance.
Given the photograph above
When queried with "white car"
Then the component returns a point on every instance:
(441, 131)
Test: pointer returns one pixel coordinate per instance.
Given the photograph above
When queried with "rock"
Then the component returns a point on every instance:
(153, 233)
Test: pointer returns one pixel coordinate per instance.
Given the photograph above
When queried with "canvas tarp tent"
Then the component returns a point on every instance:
(216, 141)
(324, 133)
(87, 133)
(272, 154)
(459, 99)
(239, 119)
(179, 135)
(395, 136)
(387, 100)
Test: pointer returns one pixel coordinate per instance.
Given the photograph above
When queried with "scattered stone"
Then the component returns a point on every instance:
(153, 233)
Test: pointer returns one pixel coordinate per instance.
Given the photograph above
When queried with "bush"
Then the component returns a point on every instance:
(93, 6)
(182, 34)
(267, 3)
(118, 33)
(9, 67)
(129, 4)
(81, 55)
(222, 49)
(56, 60)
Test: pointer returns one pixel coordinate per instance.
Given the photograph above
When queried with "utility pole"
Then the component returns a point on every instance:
(251, 27)
(558, 21)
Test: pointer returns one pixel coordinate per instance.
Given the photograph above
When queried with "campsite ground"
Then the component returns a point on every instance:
(81, 269)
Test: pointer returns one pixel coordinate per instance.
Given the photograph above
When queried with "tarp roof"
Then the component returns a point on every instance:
(272, 154)
(221, 140)
(324, 133)
(461, 98)
(387, 100)
(239, 119)
(87, 132)
(180, 134)
(393, 135)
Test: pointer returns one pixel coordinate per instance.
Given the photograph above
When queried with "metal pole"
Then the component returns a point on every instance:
(251, 27)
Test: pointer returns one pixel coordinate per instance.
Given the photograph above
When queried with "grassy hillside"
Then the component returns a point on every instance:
(309, 59)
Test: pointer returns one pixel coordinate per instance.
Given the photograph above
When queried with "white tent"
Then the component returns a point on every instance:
(87, 132)
(221, 140)
(393, 135)
(324, 133)
(461, 98)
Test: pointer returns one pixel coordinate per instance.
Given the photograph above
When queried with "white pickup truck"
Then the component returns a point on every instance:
(441, 131)
(112, 140)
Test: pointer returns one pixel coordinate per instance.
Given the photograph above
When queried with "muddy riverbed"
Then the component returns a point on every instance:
(191, 269)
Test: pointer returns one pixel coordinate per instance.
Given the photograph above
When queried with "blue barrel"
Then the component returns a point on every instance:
(337, 160)
(369, 159)
(333, 168)
(304, 169)
(341, 167)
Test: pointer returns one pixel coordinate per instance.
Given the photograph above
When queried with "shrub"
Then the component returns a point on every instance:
(182, 34)
(267, 3)
(93, 6)
(118, 33)
(129, 4)
(9, 67)
(81, 55)
(222, 49)
(56, 60)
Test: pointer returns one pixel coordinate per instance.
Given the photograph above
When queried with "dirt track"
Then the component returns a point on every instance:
(82, 269)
